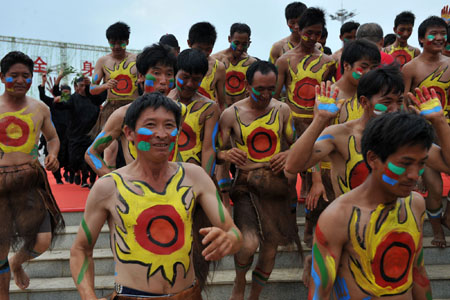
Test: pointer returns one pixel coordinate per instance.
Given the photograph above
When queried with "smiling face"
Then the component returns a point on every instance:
(17, 80)
(154, 135)
(354, 72)
(435, 39)
(401, 170)
(380, 103)
(262, 88)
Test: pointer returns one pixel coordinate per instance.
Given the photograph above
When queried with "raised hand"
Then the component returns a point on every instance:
(429, 105)
(326, 105)
(445, 14)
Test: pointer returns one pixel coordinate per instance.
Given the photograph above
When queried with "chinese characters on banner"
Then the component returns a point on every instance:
(87, 68)
(40, 65)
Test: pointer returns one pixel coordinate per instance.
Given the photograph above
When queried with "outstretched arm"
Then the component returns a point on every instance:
(224, 237)
(211, 130)
(48, 130)
(111, 132)
(312, 145)
(95, 214)
(282, 66)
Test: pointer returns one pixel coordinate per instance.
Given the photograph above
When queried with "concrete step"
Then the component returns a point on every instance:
(56, 263)
(283, 284)
(65, 240)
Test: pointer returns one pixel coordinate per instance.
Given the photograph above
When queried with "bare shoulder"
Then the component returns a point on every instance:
(221, 56)
(193, 172)
(338, 212)
(37, 104)
(327, 58)
(131, 56)
(417, 202)
(104, 188)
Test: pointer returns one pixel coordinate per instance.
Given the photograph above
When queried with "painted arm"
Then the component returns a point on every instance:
(209, 138)
(228, 153)
(329, 239)
(48, 130)
(282, 66)
(274, 53)
(421, 283)
(310, 149)
(408, 80)
(220, 86)
(95, 214)
(99, 75)
(429, 106)
(224, 237)
(111, 132)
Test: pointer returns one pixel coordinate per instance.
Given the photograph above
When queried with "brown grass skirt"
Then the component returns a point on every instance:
(25, 199)
(105, 112)
(266, 204)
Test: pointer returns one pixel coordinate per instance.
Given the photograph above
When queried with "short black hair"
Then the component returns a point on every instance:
(405, 17)
(202, 32)
(357, 50)
(327, 50)
(387, 79)
(324, 33)
(16, 57)
(349, 27)
(385, 134)
(370, 31)
(312, 16)
(192, 61)
(65, 87)
(118, 31)
(262, 66)
(389, 39)
(432, 21)
(153, 55)
(153, 100)
(294, 10)
(240, 28)
(169, 40)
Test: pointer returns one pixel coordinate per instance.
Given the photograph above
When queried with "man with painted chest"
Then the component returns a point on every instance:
(149, 206)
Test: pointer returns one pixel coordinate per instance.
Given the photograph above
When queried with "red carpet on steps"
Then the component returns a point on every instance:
(72, 197)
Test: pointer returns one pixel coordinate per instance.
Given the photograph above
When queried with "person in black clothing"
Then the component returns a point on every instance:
(84, 109)
(60, 120)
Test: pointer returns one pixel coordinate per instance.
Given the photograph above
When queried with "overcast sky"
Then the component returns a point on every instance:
(85, 22)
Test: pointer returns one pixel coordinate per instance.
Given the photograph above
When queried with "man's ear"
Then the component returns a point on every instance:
(129, 133)
(141, 78)
(229, 39)
(372, 159)
(347, 67)
(365, 102)
(189, 43)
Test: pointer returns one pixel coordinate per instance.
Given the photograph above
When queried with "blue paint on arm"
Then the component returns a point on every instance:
(95, 160)
(325, 137)
(214, 136)
(316, 279)
(224, 180)
(341, 289)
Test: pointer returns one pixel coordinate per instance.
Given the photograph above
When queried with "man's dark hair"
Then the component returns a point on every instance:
(324, 33)
(240, 28)
(118, 31)
(327, 50)
(294, 10)
(312, 16)
(387, 79)
(202, 32)
(370, 31)
(349, 27)
(192, 61)
(16, 57)
(65, 87)
(262, 66)
(153, 100)
(389, 39)
(432, 21)
(405, 18)
(153, 55)
(357, 50)
(385, 134)
(169, 40)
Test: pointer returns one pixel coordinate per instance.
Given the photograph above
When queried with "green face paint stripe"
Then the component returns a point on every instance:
(321, 264)
(236, 233)
(143, 146)
(103, 140)
(171, 146)
(256, 92)
(420, 259)
(421, 171)
(380, 107)
(430, 37)
(150, 77)
(219, 203)
(83, 270)
(395, 169)
(86, 231)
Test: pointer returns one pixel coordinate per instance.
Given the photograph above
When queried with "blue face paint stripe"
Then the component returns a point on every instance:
(149, 82)
(233, 46)
(316, 279)
(325, 137)
(174, 132)
(9, 79)
(28, 80)
(254, 98)
(389, 180)
(144, 131)
(331, 107)
(180, 81)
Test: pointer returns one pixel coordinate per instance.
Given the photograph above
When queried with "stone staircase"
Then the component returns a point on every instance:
(51, 278)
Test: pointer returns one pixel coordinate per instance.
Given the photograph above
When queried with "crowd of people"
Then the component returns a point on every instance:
(198, 155)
